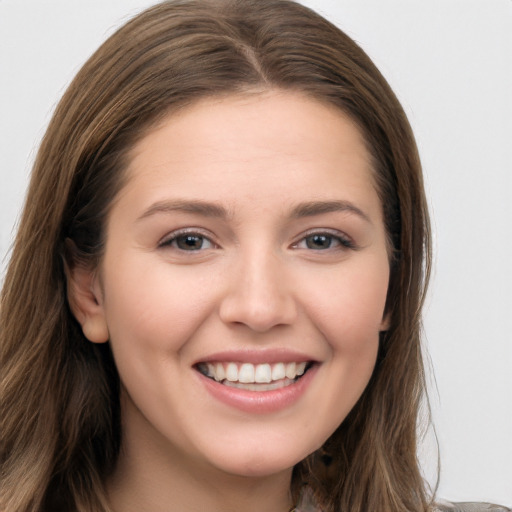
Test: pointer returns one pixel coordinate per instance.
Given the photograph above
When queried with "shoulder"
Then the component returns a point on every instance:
(446, 506)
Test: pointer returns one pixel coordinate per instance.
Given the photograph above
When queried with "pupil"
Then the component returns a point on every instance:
(319, 242)
(188, 242)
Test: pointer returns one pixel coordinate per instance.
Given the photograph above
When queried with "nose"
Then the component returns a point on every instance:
(259, 294)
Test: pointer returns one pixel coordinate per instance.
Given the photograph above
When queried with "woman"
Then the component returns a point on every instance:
(232, 246)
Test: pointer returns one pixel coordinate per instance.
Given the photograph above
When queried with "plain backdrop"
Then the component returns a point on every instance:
(449, 61)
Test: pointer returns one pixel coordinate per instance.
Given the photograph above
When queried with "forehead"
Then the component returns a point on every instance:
(277, 142)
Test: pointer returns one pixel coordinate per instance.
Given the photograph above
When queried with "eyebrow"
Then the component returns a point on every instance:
(194, 206)
(313, 208)
(207, 209)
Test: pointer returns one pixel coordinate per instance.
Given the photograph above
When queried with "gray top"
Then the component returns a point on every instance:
(307, 505)
(469, 507)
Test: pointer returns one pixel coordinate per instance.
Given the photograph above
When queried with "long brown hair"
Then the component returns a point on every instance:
(61, 424)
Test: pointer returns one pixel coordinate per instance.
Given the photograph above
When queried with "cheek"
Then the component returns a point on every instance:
(152, 311)
(155, 306)
(349, 307)
(348, 312)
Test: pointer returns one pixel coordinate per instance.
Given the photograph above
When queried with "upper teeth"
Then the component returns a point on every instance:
(250, 373)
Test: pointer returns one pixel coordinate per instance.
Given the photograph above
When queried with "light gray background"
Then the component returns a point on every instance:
(450, 63)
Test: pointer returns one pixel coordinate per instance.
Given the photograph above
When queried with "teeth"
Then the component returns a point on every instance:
(248, 373)
(232, 372)
(290, 370)
(260, 387)
(278, 371)
(219, 373)
(263, 373)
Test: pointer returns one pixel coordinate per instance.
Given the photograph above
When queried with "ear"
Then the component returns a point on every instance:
(385, 322)
(85, 299)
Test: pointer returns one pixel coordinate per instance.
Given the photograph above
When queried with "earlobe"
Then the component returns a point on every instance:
(86, 302)
(384, 324)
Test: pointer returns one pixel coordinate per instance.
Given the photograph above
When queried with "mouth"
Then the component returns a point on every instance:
(254, 377)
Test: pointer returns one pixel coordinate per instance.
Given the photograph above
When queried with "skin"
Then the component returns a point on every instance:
(257, 281)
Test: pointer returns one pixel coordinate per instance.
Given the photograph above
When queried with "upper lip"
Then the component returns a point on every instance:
(261, 356)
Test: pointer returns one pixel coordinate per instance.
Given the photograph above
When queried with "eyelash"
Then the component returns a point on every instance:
(174, 238)
(343, 242)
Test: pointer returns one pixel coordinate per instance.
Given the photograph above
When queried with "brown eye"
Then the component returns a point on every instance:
(320, 241)
(188, 242)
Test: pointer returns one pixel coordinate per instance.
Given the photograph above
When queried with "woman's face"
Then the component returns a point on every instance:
(243, 283)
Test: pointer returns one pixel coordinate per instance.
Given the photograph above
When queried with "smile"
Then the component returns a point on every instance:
(254, 377)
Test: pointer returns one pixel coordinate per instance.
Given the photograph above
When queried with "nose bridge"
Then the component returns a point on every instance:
(258, 295)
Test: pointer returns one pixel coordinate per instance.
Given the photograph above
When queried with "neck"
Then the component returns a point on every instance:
(153, 475)
(135, 488)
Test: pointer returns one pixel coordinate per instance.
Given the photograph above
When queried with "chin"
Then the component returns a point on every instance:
(257, 468)
(261, 461)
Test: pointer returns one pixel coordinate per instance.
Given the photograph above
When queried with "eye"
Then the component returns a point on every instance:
(324, 241)
(188, 241)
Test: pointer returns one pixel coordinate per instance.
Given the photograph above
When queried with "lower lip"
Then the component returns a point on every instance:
(259, 402)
